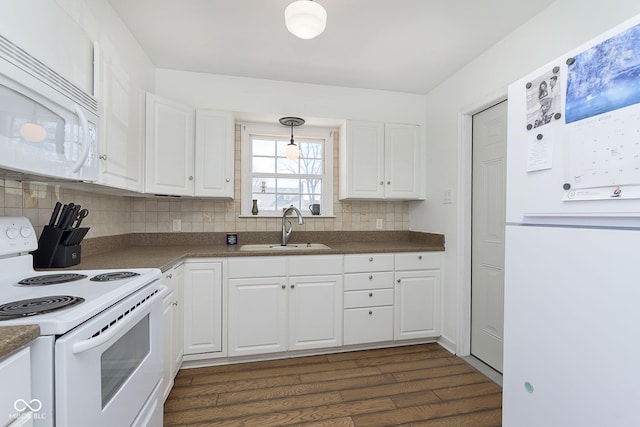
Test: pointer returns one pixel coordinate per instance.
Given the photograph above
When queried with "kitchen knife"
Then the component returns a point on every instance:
(62, 216)
(71, 216)
(54, 215)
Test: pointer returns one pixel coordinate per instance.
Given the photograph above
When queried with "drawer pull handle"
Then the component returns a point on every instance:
(169, 276)
(370, 313)
(370, 259)
(370, 294)
(371, 277)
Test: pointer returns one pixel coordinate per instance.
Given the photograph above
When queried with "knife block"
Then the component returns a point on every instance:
(58, 247)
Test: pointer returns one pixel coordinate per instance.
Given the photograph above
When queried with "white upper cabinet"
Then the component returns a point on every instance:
(214, 174)
(380, 161)
(122, 147)
(169, 147)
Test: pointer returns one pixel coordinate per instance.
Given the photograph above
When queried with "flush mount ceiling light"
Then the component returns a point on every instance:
(291, 150)
(305, 19)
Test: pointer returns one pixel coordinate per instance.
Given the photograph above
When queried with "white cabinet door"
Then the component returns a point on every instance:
(257, 315)
(176, 278)
(202, 307)
(168, 318)
(122, 141)
(315, 312)
(362, 160)
(402, 161)
(169, 147)
(417, 307)
(214, 159)
(380, 161)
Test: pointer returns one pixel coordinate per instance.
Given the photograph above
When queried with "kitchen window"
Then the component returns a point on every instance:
(277, 182)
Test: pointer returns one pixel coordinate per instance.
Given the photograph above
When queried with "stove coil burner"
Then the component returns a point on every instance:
(51, 279)
(115, 275)
(33, 306)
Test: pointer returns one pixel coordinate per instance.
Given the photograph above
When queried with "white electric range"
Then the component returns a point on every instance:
(98, 359)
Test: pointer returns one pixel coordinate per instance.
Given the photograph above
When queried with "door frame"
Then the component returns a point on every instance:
(465, 178)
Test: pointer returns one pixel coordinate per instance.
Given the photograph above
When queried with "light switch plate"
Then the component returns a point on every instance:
(447, 197)
(379, 224)
(177, 225)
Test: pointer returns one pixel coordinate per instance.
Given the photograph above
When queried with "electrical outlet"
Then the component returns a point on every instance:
(379, 224)
(177, 225)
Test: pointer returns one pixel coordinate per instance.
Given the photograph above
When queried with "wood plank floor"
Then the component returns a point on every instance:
(419, 385)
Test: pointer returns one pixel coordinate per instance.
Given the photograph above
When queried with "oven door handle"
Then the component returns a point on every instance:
(133, 317)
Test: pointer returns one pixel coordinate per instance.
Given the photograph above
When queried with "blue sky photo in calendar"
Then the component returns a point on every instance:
(605, 77)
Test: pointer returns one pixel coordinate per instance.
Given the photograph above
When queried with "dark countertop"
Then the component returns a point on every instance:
(161, 251)
(14, 337)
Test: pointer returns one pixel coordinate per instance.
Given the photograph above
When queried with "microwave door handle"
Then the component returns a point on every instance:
(91, 343)
(85, 140)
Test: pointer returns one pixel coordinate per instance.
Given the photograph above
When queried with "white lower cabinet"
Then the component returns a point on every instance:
(257, 315)
(172, 318)
(368, 298)
(315, 312)
(417, 295)
(273, 308)
(203, 306)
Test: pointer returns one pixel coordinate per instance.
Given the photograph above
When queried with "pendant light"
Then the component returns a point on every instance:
(305, 19)
(291, 150)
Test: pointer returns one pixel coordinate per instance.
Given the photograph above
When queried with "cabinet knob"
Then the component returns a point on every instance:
(370, 259)
(388, 182)
(169, 276)
(419, 256)
(398, 280)
(175, 303)
(370, 294)
(228, 179)
(293, 286)
(370, 313)
(191, 178)
(103, 157)
(371, 277)
(381, 182)
(284, 287)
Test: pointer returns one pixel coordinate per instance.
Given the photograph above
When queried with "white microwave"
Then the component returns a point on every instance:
(48, 115)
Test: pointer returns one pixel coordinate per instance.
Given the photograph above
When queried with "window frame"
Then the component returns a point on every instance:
(276, 130)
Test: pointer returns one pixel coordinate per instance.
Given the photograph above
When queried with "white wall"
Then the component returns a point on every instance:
(564, 25)
(277, 99)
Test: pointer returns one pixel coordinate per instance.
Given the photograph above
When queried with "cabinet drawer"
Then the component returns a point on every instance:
(257, 267)
(365, 281)
(418, 260)
(368, 262)
(315, 265)
(365, 325)
(371, 298)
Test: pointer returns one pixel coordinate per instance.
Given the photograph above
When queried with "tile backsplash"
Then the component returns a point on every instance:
(113, 215)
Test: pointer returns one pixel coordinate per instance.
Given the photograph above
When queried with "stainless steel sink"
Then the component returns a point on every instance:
(289, 247)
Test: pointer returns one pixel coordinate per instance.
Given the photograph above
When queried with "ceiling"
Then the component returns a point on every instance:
(401, 45)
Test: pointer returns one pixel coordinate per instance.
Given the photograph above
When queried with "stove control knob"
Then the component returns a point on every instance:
(25, 232)
(12, 232)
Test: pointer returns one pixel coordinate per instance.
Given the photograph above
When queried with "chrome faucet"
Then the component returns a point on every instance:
(286, 234)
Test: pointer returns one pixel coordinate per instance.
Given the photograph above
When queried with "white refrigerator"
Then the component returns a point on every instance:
(572, 262)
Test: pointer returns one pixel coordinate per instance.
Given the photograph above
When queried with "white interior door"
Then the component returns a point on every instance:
(487, 238)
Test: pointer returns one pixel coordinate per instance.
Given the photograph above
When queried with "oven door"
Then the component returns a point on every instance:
(108, 367)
